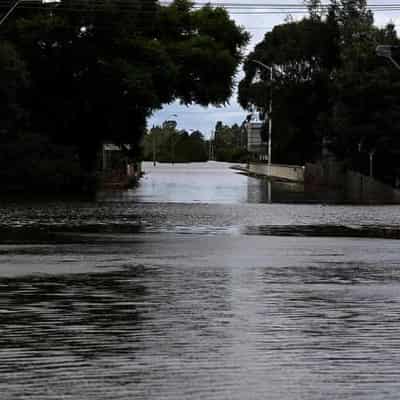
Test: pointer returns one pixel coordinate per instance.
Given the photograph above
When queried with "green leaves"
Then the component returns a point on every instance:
(166, 144)
(13, 83)
(100, 69)
(303, 56)
(205, 45)
(230, 143)
(328, 83)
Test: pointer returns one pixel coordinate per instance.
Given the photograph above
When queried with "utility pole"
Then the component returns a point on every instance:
(215, 146)
(387, 52)
(172, 148)
(270, 125)
(171, 125)
(371, 163)
(154, 149)
(211, 148)
(270, 110)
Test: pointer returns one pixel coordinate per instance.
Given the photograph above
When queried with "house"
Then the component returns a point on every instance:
(116, 169)
(255, 143)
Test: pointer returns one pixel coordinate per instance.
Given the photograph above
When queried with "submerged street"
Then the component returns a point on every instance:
(201, 283)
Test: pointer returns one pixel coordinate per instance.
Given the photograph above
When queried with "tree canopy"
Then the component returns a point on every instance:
(230, 143)
(303, 55)
(94, 71)
(329, 85)
(167, 144)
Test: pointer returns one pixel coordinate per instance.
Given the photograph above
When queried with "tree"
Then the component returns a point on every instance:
(229, 143)
(304, 56)
(100, 72)
(170, 145)
(333, 89)
(14, 82)
(314, 8)
(191, 147)
(365, 113)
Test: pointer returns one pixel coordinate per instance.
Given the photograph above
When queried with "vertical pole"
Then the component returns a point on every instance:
(269, 191)
(172, 148)
(270, 134)
(104, 156)
(154, 149)
(371, 164)
(270, 127)
(215, 146)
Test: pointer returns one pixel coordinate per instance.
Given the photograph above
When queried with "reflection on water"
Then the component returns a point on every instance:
(193, 287)
(302, 331)
(215, 183)
(210, 182)
(265, 191)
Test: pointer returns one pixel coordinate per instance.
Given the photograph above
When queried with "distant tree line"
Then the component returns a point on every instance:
(230, 143)
(330, 90)
(80, 73)
(167, 144)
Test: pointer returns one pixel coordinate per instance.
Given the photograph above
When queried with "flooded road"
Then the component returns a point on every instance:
(193, 286)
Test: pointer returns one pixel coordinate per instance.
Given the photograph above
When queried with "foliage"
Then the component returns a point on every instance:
(329, 86)
(166, 144)
(97, 71)
(14, 82)
(31, 162)
(304, 55)
(230, 143)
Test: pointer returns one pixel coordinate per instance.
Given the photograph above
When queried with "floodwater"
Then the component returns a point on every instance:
(197, 285)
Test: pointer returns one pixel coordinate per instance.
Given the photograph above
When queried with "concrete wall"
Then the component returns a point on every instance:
(352, 187)
(364, 189)
(356, 188)
(327, 173)
(293, 173)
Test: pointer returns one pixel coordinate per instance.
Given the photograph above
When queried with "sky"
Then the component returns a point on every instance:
(204, 118)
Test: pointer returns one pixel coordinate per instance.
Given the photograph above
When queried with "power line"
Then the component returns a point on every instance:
(150, 7)
(232, 6)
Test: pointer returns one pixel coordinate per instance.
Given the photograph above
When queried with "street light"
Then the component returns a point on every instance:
(371, 154)
(386, 51)
(173, 141)
(270, 69)
(371, 163)
(18, 2)
(382, 51)
(154, 147)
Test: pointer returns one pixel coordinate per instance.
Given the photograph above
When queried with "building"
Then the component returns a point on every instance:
(255, 143)
(116, 169)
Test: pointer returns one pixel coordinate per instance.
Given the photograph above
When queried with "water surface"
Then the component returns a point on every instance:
(193, 286)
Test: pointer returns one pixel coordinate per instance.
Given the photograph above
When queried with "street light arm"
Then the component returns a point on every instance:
(18, 2)
(6, 15)
(386, 51)
(261, 63)
(394, 62)
(270, 69)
